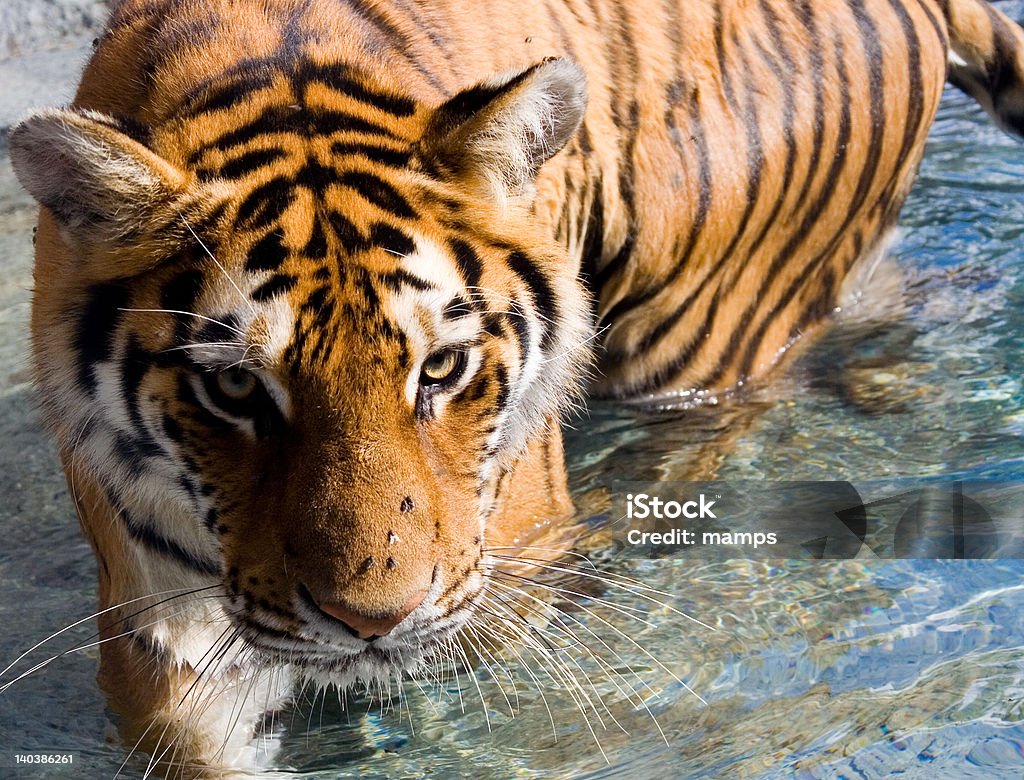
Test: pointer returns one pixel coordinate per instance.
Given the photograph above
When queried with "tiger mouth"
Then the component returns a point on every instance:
(343, 668)
(273, 647)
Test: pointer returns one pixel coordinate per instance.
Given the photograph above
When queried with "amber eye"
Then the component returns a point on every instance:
(442, 367)
(236, 392)
(236, 383)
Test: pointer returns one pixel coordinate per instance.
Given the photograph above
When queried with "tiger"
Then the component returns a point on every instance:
(317, 281)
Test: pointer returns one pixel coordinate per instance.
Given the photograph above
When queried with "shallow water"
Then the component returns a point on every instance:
(812, 669)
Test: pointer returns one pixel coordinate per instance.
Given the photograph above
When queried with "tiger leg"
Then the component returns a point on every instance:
(986, 59)
(183, 707)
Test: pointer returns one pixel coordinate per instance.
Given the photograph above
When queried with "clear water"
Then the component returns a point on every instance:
(850, 669)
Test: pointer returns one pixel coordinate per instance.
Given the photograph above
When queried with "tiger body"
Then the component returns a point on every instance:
(268, 225)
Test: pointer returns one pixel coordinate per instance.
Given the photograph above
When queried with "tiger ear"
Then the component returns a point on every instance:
(498, 133)
(100, 184)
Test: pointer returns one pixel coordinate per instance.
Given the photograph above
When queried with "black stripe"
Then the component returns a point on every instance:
(364, 282)
(135, 364)
(809, 221)
(266, 203)
(180, 295)
(218, 330)
(940, 30)
(315, 177)
(755, 162)
(683, 251)
(391, 239)
(468, 261)
(396, 280)
(755, 151)
(915, 99)
(249, 162)
(492, 324)
(350, 237)
(621, 55)
(94, 339)
(268, 254)
(593, 242)
(378, 192)
(219, 97)
(540, 289)
(336, 76)
(723, 64)
(316, 299)
(394, 158)
(427, 25)
(457, 307)
(501, 377)
(476, 389)
(285, 119)
(517, 319)
(134, 452)
(172, 430)
(316, 247)
(158, 543)
(278, 284)
(805, 13)
(390, 35)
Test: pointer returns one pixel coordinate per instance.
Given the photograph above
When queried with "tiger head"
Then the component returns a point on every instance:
(297, 333)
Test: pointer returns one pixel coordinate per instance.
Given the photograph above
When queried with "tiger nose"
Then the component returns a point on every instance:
(369, 627)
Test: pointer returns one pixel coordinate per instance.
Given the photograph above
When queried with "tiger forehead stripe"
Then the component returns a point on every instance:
(291, 109)
(299, 76)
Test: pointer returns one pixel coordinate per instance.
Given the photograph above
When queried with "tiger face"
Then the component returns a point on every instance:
(302, 363)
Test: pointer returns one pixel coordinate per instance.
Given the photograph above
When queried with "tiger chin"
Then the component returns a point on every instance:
(316, 280)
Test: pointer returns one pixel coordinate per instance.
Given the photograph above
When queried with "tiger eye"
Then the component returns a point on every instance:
(236, 383)
(441, 365)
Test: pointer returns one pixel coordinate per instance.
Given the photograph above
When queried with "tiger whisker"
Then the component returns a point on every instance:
(238, 707)
(629, 639)
(79, 647)
(546, 651)
(511, 648)
(633, 587)
(201, 701)
(203, 317)
(570, 553)
(179, 593)
(429, 701)
(483, 703)
(562, 591)
(450, 648)
(553, 665)
(578, 345)
(206, 345)
(223, 270)
(153, 721)
(480, 650)
(536, 630)
(614, 675)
